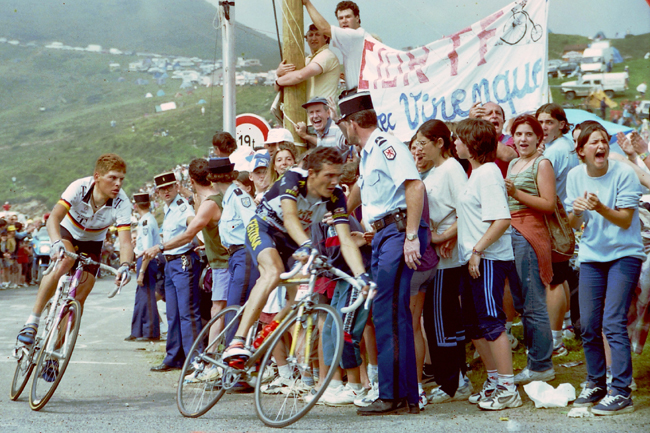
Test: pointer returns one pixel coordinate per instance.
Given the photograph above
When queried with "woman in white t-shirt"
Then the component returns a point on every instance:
(444, 179)
(485, 250)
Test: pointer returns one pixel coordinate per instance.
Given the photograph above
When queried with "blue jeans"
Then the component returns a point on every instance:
(605, 296)
(353, 326)
(530, 300)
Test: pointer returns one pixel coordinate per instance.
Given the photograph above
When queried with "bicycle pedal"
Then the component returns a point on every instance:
(238, 363)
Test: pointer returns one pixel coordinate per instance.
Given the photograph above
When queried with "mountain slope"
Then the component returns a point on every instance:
(170, 27)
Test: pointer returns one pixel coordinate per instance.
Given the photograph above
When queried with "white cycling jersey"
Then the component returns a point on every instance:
(82, 223)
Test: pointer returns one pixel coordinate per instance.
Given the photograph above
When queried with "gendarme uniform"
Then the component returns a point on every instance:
(238, 209)
(385, 165)
(146, 322)
(182, 274)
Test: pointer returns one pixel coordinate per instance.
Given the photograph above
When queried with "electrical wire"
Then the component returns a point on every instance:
(277, 29)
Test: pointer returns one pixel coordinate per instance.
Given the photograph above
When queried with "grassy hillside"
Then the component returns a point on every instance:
(161, 26)
(44, 151)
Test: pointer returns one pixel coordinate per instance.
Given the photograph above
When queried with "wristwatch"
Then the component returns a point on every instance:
(411, 236)
(161, 246)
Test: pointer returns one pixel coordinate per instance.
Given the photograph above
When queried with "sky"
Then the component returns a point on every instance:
(405, 23)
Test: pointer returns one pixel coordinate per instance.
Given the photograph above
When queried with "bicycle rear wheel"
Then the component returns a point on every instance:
(55, 355)
(25, 364)
(199, 386)
(288, 405)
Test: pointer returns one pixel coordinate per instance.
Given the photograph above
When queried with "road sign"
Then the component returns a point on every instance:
(252, 130)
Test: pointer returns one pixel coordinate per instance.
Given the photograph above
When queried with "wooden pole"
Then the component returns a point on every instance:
(294, 52)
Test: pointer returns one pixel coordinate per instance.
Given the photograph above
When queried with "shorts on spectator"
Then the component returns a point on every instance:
(482, 300)
(421, 280)
(561, 272)
(220, 283)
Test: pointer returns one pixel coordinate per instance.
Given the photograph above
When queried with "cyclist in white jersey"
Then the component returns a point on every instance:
(78, 223)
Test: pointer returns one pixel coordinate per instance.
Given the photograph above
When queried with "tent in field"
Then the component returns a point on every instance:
(201, 101)
(186, 85)
(160, 92)
(165, 107)
(148, 95)
(141, 82)
(617, 55)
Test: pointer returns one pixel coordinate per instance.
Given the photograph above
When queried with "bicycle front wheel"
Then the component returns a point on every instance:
(295, 344)
(199, 387)
(25, 364)
(55, 355)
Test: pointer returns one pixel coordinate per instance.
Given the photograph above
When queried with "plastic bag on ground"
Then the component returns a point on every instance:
(544, 395)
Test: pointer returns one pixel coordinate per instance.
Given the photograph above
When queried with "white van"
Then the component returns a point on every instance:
(611, 83)
(596, 59)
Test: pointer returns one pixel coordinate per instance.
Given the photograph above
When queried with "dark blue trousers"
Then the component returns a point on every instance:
(392, 316)
(605, 296)
(146, 322)
(243, 276)
(183, 315)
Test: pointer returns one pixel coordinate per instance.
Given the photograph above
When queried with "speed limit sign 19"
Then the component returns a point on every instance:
(252, 130)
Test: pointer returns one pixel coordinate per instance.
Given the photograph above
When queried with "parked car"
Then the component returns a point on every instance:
(643, 108)
(565, 68)
(610, 83)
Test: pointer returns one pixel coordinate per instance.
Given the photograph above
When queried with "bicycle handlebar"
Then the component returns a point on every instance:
(298, 265)
(87, 261)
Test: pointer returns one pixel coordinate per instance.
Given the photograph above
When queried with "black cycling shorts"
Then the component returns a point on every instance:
(92, 249)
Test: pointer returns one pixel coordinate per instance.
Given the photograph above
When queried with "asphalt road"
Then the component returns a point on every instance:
(108, 387)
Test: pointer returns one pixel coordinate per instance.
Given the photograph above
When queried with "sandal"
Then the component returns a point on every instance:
(27, 335)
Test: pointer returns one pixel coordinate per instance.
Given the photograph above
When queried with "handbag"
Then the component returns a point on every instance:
(563, 241)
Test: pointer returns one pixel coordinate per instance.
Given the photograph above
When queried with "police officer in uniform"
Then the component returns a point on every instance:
(145, 325)
(238, 208)
(182, 274)
(390, 192)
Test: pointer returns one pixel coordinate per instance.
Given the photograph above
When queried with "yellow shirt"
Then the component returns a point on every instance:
(325, 84)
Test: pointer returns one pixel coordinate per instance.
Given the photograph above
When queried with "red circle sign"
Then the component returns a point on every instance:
(252, 130)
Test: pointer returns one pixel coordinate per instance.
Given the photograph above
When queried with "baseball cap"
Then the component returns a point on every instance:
(11, 229)
(278, 135)
(261, 159)
(315, 100)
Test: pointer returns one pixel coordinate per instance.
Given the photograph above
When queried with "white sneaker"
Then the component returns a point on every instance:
(501, 399)
(527, 375)
(297, 387)
(423, 401)
(343, 397)
(462, 393)
(371, 396)
(488, 389)
(209, 374)
(330, 390)
(275, 387)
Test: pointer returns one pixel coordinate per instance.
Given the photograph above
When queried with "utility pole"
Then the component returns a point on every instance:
(294, 52)
(227, 20)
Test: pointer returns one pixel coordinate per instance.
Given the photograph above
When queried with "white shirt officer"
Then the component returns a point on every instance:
(385, 164)
(148, 234)
(175, 223)
(238, 209)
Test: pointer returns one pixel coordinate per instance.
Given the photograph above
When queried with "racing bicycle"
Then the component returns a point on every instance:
(52, 349)
(205, 377)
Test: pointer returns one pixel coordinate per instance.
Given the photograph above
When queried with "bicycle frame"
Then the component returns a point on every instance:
(315, 264)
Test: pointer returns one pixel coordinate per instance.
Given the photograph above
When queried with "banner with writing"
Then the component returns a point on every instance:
(502, 59)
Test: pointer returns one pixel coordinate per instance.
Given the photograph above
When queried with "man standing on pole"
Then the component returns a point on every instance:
(391, 193)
